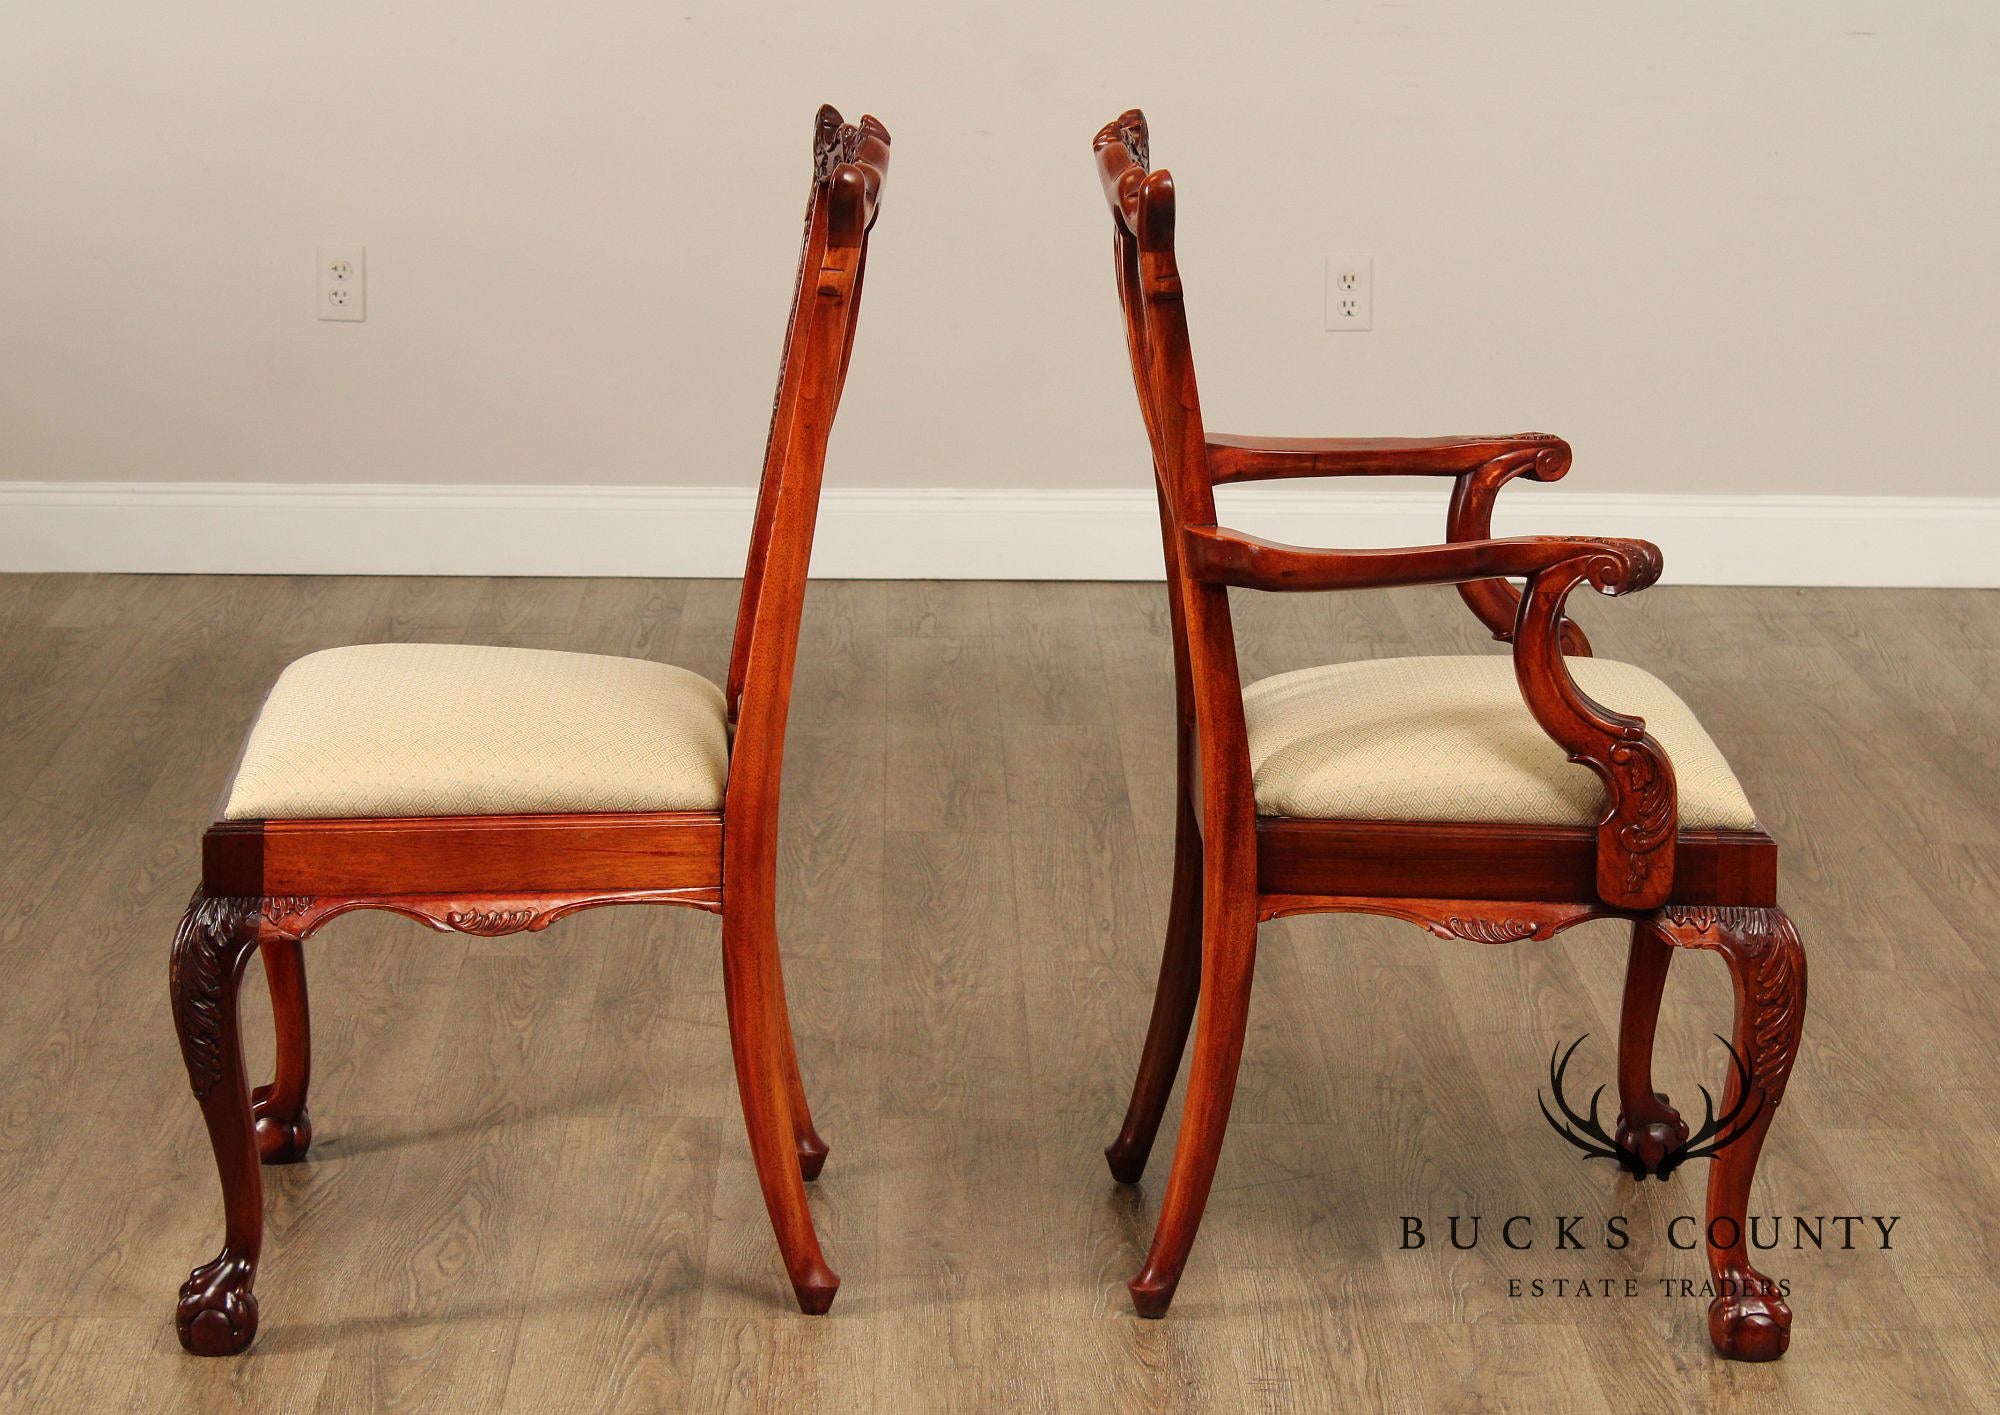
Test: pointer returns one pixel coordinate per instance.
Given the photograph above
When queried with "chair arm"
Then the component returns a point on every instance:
(1481, 465)
(1470, 517)
(1219, 556)
(1635, 837)
(1233, 459)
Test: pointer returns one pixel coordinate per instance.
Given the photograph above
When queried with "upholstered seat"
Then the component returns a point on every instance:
(1450, 739)
(462, 730)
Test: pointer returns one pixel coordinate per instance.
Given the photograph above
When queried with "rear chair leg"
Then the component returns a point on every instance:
(1229, 952)
(759, 1037)
(284, 1126)
(1173, 1011)
(811, 1149)
(1649, 1128)
(1748, 1319)
(217, 1313)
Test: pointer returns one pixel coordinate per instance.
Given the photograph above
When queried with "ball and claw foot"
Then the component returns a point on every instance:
(812, 1159)
(1647, 1144)
(816, 1291)
(1126, 1167)
(281, 1139)
(217, 1313)
(1750, 1323)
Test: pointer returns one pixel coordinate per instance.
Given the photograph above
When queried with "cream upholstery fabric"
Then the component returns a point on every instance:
(1450, 739)
(462, 730)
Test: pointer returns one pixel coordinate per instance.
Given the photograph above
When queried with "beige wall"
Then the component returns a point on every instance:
(1723, 246)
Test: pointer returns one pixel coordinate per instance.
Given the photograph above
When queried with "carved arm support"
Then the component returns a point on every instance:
(1471, 518)
(1635, 838)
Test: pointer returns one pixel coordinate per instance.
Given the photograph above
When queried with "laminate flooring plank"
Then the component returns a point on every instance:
(530, 1187)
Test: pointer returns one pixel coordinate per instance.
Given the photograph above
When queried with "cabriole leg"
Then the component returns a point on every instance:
(284, 1126)
(217, 1313)
(1748, 1319)
(1649, 1128)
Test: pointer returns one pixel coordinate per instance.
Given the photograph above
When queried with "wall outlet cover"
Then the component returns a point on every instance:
(341, 287)
(1350, 292)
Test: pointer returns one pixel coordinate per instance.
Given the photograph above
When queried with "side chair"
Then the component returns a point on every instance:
(1484, 798)
(494, 790)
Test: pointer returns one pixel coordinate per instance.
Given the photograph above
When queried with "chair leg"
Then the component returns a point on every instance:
(1228, 956)
(1649, 1128)
(1748, 1319)
(1173, 1011)
(812, 1149)
(284, 1125)
(217, 1312)
(759, 1037)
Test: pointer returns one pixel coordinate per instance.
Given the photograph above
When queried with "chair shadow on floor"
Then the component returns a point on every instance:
(337, 1145)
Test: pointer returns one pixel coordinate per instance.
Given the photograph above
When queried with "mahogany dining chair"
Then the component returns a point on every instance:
(493, 790)
(1488, 798)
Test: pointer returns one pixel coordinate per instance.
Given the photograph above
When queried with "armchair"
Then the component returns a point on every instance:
(1482, 799)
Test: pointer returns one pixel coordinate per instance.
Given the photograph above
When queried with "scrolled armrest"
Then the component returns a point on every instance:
(1220, 556)
(1234, 458)
(1635, 837)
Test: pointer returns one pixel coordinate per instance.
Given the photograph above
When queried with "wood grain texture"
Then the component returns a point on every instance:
(465, 855)
(529, 1188)
(1458, 861)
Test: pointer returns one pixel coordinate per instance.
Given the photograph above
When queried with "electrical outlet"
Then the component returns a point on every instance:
(343, 283)
(1350, 292)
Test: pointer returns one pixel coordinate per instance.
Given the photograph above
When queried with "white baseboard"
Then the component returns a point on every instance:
(220, 528)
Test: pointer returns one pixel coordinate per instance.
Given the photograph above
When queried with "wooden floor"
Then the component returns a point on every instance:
(530, 1187)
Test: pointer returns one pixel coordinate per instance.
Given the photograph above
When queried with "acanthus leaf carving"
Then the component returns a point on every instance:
(1637, 832)
(213, 937)
(490, 923)
(1645, 808)
(1473, 920)
(1492, 929)
(1764, 944)
(834, 141)
(1133, 138)
(485, 915)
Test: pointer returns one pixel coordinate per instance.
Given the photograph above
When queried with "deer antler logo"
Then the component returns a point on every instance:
(1714, 1136)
